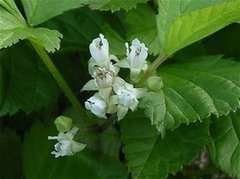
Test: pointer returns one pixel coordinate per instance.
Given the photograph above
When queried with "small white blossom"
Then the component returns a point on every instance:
(66, 146)
(96, 106)
(103, 78)
(99, 49)
(103, 82)
(138, 54)
(136, 59)
(126, 98)
(114, 94)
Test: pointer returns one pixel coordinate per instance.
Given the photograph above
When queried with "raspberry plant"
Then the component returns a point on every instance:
(129, 89)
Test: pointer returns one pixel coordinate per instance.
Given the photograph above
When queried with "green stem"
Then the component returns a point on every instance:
(60, 80)
(151, 69)
(100, 128)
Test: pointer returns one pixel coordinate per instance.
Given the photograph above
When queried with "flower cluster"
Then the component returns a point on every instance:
(65, 146)
(114, 95)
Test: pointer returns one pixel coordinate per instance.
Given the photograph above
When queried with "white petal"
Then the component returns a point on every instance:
(99, 49)
(77, 146)
(89, 86)
(112, 105)
(118, 84)
(121, 112)
(72, 132)
(123, 64)
(105, 93)
(138, 54)
(96, 106)
(134, 105)
(134, 74)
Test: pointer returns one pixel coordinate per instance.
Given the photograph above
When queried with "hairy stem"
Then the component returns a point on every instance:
(160, 59)
(60, 80)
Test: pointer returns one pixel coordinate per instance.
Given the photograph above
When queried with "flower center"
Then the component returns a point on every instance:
(103, 77)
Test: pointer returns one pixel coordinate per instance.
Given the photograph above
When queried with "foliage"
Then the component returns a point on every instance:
(151, 156)
(224, 143)
(193, 52)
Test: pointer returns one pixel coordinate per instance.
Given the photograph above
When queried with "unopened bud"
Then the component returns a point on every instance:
(63, 123)
(154, 83)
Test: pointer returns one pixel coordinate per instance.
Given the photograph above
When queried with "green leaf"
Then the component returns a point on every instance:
(194, 90)
(10, 154)
(79, 27)
(181, 23)
(14, 30)
(39, 11)
(49, 39)
(142, 25)
(224, 147)
(39, 163)
(1, 89)
(117, 43)
(11, 7)
(27, 85)
(114, 5)
(150, 156)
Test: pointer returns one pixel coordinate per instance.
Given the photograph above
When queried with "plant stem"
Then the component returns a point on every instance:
(100, 128)
(160, 59)
(60, 80)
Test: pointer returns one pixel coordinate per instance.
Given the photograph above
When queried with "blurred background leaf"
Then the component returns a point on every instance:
(27, 85)
(10, 155)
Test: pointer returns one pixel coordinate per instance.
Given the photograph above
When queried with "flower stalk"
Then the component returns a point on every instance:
(151, 69)
(60, 80)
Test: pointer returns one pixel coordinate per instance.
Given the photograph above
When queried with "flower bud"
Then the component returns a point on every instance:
(63, 123)
(154, 83)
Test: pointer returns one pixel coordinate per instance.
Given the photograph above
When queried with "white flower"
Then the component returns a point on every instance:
(99, 49)
(126, 98)
(136, 59)
(138, 54)
(103, 78)
(96, 106)
(66, 146)
(108, 64)
(103, 81)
